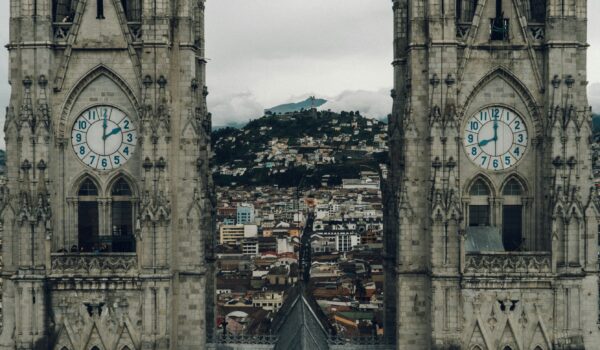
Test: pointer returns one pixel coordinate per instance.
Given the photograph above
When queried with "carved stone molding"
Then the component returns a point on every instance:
(90, 263)
(508, 263)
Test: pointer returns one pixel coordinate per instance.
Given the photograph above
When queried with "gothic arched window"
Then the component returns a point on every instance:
(133, 10)
(479, 208)
(512, 215)
(87, 216)
(122, 217)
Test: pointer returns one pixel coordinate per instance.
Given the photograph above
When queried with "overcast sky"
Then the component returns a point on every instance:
(266, 52)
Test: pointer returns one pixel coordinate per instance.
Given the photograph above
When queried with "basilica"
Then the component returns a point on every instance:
(108, 207)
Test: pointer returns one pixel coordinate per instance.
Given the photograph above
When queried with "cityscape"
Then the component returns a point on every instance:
(152, 199)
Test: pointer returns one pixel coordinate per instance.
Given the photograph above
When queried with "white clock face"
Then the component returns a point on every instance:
(103, 137)
(495, 138)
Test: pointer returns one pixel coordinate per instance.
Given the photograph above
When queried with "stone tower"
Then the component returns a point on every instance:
(108, 209)
(492, 217)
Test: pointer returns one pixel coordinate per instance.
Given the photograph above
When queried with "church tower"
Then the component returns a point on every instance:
(107, 213)
(491, 211)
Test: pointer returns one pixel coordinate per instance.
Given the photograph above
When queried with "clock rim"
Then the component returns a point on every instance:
(527, 129)
(78, 115)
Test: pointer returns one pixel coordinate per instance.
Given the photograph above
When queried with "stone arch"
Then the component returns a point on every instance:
(538, 347)
(520, 89)
(87, 79)
(486, 180)
(518, 178)
(79, 179)
(122, 174)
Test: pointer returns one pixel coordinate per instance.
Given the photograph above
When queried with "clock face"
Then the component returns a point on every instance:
(495, 138)
(104, 137)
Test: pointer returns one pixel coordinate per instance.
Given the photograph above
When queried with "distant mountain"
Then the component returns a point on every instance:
(309, 103)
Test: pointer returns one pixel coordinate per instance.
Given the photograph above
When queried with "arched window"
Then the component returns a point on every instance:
(95, 348)
(479, 208)
(507, 348)
(122, 217)
(133, 10)
(87, 216)
(512, 215)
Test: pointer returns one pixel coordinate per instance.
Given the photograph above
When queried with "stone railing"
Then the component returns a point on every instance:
(61, 30)
(366, 341)
(537, 31)
(508, 263)
(92, 263)
(135, 28)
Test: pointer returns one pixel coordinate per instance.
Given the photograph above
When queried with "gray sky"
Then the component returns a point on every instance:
(266, 52)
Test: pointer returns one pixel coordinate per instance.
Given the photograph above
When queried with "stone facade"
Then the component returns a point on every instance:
(145, 58)
(453, 58)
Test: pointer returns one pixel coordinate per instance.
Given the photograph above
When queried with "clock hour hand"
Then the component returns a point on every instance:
(113, 132)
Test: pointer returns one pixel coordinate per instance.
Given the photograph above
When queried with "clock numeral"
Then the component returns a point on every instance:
(474, 126)
(126, 126)
(82, 124)
(92, 159)
(495, 113)
(92, 115)
(470, 138)
(104, 162)
(82, 150)
(507, 160)
(130, 137)
(484, 160)
(495, 163)
(78, 137)
(517, 152)
(520, 138)
(483, 116)
(517, 125)
(117, 160)
(126, 151)
(474, 151)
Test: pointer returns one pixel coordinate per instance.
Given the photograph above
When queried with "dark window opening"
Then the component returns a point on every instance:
(537, 11)
(121, 237)
(88, 226)
(479, 215)
(99, 9)
(63, 10)
(499, 28)
(512, 227)
(88, 188)
(133, 10)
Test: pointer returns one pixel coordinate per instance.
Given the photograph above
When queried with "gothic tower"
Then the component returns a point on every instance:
(107, 213)
(492, 216)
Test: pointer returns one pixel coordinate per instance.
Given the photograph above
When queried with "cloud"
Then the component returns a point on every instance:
(234, 108)
(373, 104)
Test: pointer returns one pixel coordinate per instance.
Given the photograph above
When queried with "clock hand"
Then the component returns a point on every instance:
(113, 132)
(104, 126)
